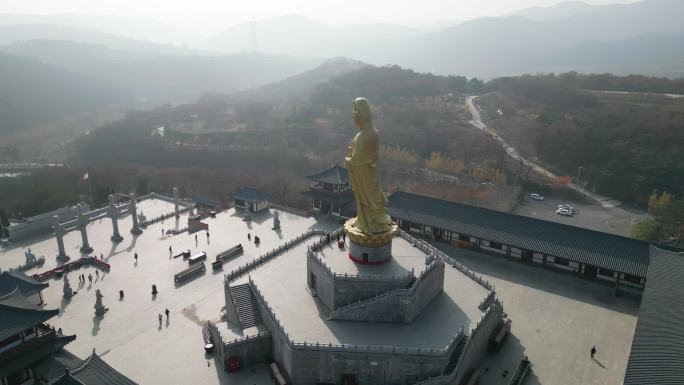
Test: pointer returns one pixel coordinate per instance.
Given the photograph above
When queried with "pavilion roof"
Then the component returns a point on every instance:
(334, 175)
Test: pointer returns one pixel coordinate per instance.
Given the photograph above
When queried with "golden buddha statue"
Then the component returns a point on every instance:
(372, 225)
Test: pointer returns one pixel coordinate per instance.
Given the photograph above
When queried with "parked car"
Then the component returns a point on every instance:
(565, 212)
(536, 197)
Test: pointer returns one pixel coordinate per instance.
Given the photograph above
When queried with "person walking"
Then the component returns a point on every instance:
(160, 319)
(90, 278)
(167, 312)
(97, 273)
(136, 257)
(593, 351)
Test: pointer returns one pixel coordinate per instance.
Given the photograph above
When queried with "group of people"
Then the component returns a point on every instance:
(167, 312)
(82, 277)
(257, 240)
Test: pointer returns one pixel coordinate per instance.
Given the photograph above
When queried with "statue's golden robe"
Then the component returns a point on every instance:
(362, 157)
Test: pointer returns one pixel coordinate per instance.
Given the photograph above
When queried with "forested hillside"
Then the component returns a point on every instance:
(628, 143)
(33, 93)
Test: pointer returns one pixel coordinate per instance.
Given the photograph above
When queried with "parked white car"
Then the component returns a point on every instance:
(565, 212)
(536, 197)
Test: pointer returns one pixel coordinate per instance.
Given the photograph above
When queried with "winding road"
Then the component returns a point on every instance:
(476, 122)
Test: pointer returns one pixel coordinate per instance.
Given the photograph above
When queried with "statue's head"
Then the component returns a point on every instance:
(362, 113)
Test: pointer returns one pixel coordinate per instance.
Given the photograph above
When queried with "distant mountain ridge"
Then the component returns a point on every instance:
(557, 11)
(526, 41)
(143, 29)
(163, 78)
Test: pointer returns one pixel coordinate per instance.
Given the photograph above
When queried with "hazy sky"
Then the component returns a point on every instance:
(204, 16)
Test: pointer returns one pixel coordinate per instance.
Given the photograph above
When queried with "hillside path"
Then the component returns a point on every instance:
(476, 122)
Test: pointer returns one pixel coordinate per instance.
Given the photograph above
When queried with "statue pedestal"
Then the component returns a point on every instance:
(370, 255)
(369, 249)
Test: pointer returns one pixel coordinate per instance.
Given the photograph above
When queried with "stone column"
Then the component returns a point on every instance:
(59, 234)
(114, 214)
(82, 224)
(134, 213)
(175, 201)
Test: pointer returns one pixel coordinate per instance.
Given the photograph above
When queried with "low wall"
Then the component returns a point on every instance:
(251, 349)
(42, 223)
(399, 305)
(479, 341)
(313, 363)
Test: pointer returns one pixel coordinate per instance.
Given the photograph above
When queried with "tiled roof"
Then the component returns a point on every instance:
(17, 313)
(34, 355)
(657, 355)
(250, 194)
(334, 175)
(604, 250)
(15, 279)
(93, 371)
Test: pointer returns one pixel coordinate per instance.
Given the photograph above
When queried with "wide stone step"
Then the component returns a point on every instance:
(246, 306)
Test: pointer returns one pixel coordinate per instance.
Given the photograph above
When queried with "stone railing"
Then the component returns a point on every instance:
(487, 301)
(246, 339)
(403, 292)
(39, 261)
(253, 264)
(181, 202)
(165, 216)
(354, 348)
(311, 254)
(432, 250)
(291, 210)
(495, 310)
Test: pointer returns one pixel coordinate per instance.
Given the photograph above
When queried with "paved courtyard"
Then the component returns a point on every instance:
(557, 318)
(615, 220)
(129, 336)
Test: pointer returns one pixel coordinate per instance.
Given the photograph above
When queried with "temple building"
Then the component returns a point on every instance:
(331, 193)
(29, 287)
(25, 338)
(32, 351)
(250, 199)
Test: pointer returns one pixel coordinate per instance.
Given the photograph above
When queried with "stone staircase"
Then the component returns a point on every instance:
(456, 356)
(246, 306)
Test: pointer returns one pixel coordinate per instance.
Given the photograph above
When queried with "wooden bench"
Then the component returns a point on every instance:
(185, 254)
(230, 253)
(197, 258)
(189, 272)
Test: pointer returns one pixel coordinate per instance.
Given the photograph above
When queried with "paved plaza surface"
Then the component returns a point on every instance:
(129, 336)
(283, 284)
(615, 220)
(557, 318)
